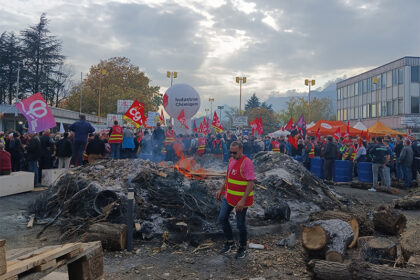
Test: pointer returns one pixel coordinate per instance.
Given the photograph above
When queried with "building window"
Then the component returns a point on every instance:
(369, 84)
(395, 106)
(414, 105)
(373, 110)
(400, 76)
(369, 110)
(415, 75)
(389, 108)
(360, 86)
(394, 76)
(356, 89)
(383, 112)
(400, 106)
(364, 111)
(383, 80)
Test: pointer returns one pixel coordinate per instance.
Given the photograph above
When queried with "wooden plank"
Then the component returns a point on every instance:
(40, 189)
(15, 253)
(37, 260)
(37, 252)
(31, 221)
(45, 266)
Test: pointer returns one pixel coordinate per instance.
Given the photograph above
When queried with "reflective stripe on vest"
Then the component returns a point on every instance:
(169, 137)
(312, 151)
(116, 135)
(276, 147)
(237, 184)
(353, 153)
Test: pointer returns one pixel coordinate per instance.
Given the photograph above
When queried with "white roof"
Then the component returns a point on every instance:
(360, 126)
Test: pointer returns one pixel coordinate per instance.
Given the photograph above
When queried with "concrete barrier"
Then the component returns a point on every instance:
(17, 182)
(50, 176)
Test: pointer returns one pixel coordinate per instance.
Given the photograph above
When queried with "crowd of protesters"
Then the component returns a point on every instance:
(397, 159)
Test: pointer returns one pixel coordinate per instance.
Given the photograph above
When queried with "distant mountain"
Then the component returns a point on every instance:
(279, 102)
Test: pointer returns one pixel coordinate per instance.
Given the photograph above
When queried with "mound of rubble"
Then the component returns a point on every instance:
(167, 200)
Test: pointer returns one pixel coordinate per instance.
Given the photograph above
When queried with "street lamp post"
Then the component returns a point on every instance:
(81, 91)
(102, 73)
(376, 81)
(171, 75)
(206, 110)
(220, 108)
(240, 81)
(211, 100)
(309, 83)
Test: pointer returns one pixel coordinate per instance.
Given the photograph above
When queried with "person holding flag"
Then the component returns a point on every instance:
(216, 125)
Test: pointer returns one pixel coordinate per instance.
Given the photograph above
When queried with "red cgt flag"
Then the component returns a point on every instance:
(293, 140)
(337, 134)
(318, 134)
(289, 125)
(135, 115)
(194, 127)
(162, 117)
(260, 126)
(182, 120)
(254, 126)
(216, 123)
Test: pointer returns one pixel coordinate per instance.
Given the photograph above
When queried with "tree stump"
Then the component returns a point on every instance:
(379, 250)
(361, 241)
(328, 238)
(357, 270)
(388, 220)
(112, 236)
(408, 203)
(410, 243)
(3, 264)
(350, 219)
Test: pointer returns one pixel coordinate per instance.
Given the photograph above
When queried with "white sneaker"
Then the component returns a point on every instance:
(372, 190)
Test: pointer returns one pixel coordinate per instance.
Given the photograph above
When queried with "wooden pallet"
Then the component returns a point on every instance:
(30, 263)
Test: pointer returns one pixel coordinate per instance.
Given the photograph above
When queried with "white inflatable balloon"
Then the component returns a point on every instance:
(181, 96)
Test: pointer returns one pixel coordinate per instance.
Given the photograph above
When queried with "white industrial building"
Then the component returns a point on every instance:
(397, 88)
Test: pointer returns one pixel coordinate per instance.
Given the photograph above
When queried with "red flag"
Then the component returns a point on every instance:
(194, 127)
(162, 117)
(260, 126)
(282, 128)
(135, 115)
(216, 123)
(347, 133)
(289, 125)
(254, 126)
(409, 132)
(201, 129)
(293, 141)
(337, 134)
(360, 143)
(182, 120)
(318, 135)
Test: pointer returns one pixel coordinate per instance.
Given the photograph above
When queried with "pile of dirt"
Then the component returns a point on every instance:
(166, 200)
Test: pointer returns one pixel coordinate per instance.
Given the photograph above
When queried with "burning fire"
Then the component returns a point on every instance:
(187, 165)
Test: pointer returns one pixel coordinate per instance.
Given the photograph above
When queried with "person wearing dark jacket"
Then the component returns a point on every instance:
(399, 145)
(81, 128)
(95, 148)
(405, 160)
(33, 154)
(5, 161)
(330, 154)
(15, 149)
(158, 137)
(64, 151)
(47, 149)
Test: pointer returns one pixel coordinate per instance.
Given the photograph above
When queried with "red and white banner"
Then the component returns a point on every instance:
(37, 112)
(217, 126)
(260, 126)
(162, 117)
(181, 118)
(337, 134)
(135, 115)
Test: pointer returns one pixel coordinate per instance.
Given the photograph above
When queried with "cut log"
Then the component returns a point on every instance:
(356, 270)
(388, 220)
(279, 212)
(414, 261)
(361, 241)
(112, 236)
(327, 237)
(410, 244)
(352, 220)
(3, 264)
(408, 203)
(379, 250)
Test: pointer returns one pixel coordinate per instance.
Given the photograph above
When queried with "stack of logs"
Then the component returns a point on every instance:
(328, 235)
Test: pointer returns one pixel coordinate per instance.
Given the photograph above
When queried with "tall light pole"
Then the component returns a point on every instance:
(211, 100)
(377, 82)
(220, 108)
(206, 110)
(240, 81)
(81, 91)
(171, 75)
(102, 73)
(309, 83)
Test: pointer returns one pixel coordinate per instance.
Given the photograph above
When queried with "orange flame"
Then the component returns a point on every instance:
(187, 166)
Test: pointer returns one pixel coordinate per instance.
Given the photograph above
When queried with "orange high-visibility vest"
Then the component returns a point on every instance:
(169, 137)
(116, 135)
(312, 151)
(201, 148)
(237, 184)
(276, 146)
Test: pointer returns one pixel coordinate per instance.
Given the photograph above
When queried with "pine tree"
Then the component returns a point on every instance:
(42, 52)
(253, 102)
(10, 57)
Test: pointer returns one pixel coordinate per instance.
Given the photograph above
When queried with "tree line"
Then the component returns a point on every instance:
(32, 62)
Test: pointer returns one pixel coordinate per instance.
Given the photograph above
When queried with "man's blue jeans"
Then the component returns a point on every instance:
(77, 153)
(406, 170)
(33, 167)
(240, 222)
(115, 150)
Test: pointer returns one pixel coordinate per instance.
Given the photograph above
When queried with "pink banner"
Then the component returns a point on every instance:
(36, 111)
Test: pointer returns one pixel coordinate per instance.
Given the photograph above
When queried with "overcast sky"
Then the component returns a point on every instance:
(276, 44)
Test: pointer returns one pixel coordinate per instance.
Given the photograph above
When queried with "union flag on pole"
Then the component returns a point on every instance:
(194, 127)
(260, 126)
(254, 126)
(217, 126)
(318, 134)
(337, 134)
(289, 125)
(135, 115)
(162, 117)
(181, 118)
